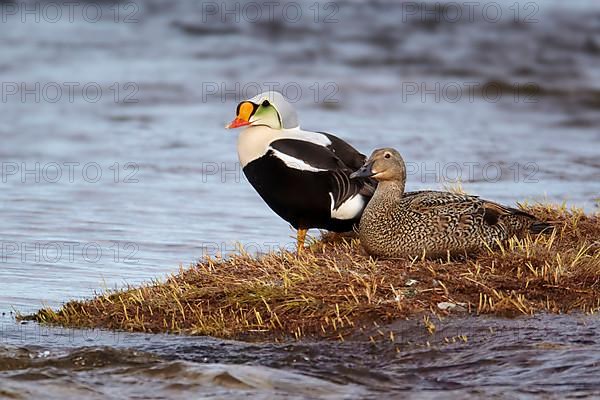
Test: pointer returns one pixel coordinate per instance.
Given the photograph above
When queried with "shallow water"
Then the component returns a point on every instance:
(542, 357)
(122, 187)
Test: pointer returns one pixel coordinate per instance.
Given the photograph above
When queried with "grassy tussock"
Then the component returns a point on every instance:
(334, 289)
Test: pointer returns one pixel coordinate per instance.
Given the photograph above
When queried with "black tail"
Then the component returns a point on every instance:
(541, 227)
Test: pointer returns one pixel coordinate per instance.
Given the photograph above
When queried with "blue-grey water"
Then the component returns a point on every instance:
(115, 168)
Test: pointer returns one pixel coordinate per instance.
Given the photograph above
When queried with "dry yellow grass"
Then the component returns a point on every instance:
(334, 289)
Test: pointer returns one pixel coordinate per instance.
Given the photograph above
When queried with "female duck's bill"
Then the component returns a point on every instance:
(303, 176)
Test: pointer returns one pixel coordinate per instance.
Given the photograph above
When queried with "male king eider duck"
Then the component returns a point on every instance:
(303, 176)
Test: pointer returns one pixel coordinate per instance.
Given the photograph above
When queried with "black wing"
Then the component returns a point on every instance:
(321, 157)
(315, 155)
(351, 157)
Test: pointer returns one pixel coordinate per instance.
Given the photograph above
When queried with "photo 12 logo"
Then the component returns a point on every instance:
(317, 92)
(424, 172)
(47, 335)
(68, 172)
(472, 171)
(55, 92)
(269, 11)
(470, 11)
(222, 249)
(52, 12)
(63, 252)
(470, 91)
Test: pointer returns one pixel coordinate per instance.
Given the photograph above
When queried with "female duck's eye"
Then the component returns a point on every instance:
(265, 103)
(387, 155)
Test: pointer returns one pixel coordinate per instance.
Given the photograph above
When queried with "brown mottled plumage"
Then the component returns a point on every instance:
(431, 223)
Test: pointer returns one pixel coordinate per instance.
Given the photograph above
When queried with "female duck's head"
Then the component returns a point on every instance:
(267, 109)
(384, 165)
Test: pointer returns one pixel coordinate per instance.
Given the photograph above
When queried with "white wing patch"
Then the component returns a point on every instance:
(313, 137)
(349, 209)
(254, 141)
(294, 162)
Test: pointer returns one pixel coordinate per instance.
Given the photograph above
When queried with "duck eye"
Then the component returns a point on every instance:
(266, 103)
(387, 155)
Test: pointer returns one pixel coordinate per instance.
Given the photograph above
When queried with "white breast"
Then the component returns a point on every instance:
(254, 141)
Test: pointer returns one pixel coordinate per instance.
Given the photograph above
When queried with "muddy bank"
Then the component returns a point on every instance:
(334, 290)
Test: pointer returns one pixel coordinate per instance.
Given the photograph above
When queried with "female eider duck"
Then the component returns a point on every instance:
(431, 223)
(303, 176)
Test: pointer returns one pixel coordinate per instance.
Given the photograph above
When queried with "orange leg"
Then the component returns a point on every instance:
(301, 236)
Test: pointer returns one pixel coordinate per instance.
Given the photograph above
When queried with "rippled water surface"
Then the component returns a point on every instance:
(123, 187)
(543, 357)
